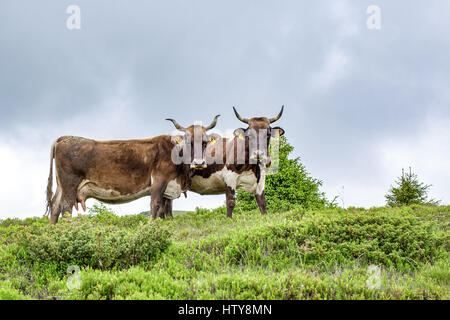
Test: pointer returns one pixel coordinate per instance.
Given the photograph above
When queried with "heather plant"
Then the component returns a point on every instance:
(83, 241)
(297, 254)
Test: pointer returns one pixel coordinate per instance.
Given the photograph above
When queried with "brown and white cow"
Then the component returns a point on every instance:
(245, 161)
(120, 171)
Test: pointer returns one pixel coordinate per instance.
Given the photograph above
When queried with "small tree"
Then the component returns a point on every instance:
(290, 186)
(408, 190)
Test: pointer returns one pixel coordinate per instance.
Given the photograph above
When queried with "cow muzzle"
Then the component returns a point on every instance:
(198, 164)
(259, 156)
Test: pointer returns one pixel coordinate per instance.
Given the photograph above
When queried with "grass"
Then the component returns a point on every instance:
(299, 254)
(174, 212)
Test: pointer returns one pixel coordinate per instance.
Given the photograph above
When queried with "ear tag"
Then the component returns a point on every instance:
(212, 141)
(241, 136)
(177, 140)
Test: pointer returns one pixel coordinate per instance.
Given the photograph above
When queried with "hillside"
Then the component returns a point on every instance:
(380, 253)
(174, 213)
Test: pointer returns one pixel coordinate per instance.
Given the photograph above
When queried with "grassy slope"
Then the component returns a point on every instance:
(293, 255)
(174, 212)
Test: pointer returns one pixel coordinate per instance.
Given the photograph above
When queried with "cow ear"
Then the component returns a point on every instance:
(240, 133)
(177, 139)
(213, 138)
(276, 132)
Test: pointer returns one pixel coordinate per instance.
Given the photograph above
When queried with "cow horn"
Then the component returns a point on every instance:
(177, 125)
(213, 123)
(278, 116)
(245, 120)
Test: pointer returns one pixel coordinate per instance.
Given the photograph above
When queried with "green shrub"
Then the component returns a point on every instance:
(133, 283)
(25, 222)
(102, 214)
(83, 241)
(11, 229)
(408, 191)
(380, 238)
(299, 254)
(9, 293)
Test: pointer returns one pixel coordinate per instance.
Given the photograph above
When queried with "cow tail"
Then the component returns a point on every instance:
(50, 181)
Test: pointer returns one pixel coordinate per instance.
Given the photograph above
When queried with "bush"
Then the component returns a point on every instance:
(381, 238)
(102, 214)
(299, 254)
(83, 241)
(9, 293)
(408, 191)
(290, 187)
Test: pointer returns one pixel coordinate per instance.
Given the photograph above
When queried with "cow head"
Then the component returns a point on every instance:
(258, 134)
(193, 143)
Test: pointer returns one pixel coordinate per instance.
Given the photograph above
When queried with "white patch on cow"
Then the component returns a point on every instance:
(230, 178)
(214, 184)
(247, 181)
(88, 189)
(173, 190)
(262, 181)
(220, 180)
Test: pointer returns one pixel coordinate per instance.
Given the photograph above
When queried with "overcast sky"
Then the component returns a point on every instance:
(360, 104)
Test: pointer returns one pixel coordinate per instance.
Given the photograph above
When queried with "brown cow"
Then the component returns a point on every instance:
(120, 171)
(245, 161)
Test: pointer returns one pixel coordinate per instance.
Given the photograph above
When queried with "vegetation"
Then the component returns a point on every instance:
(290, 187)
(296, 254)
(86, 242)
(408, 190)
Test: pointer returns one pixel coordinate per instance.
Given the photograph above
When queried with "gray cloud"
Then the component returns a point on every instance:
(346, 88)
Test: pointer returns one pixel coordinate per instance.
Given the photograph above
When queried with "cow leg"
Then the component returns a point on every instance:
(62, 205)
(230, 201)
(169, 212)
(66, 195)
(56, 205)
(262, 203)
(157, 200)
(67, 207)
(162, 213)
(168, 208)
